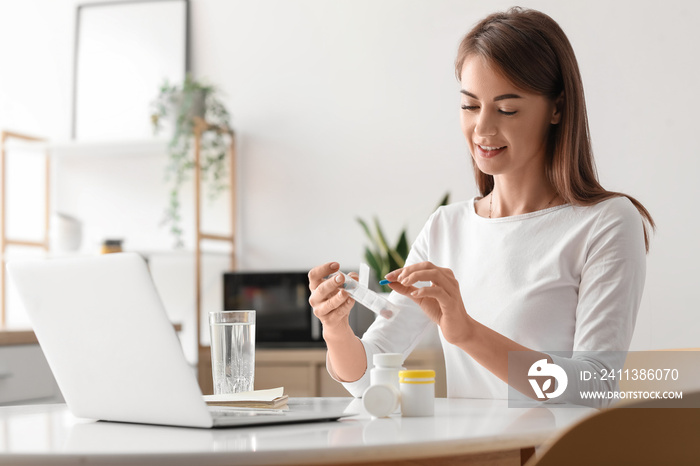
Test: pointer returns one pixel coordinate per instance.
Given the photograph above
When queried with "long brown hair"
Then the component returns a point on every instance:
(532, 51)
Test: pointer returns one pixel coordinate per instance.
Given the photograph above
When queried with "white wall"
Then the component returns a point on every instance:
(350, 108)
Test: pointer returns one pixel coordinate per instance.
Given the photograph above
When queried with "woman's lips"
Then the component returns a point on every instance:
(488, 152)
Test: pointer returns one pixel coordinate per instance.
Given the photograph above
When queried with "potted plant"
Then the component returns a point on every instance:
(180, 105)
(383, 258)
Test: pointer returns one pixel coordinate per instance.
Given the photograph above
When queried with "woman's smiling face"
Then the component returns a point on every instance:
(506, 128)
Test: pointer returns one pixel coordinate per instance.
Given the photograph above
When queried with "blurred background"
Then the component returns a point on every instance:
(350, 108)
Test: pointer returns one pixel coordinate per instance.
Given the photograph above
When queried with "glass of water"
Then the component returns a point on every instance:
(232, 350)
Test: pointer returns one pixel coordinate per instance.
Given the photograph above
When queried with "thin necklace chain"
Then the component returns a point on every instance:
(491, 202)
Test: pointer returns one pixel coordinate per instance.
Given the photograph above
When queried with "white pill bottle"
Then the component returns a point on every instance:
(386, 369)
(382, 397)
(417, 393)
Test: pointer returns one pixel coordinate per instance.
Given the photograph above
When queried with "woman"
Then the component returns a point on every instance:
(546, 260)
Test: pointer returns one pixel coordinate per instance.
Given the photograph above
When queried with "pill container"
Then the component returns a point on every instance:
(386, 369)
(417, 393)
(368, 298)
(381, 400)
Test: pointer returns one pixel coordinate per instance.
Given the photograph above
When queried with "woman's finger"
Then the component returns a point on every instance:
(331, 304)
(332, 316)
(430, 275)
(317, 274)
(437, 292)
(393, 275)
(401, 289)
(399, 274)
(325, 290)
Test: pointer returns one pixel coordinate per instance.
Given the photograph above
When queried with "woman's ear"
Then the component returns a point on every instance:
(558, 105)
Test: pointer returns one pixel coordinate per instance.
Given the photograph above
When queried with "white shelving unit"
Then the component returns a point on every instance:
(121, 148)
(5, 138)
(151, 153)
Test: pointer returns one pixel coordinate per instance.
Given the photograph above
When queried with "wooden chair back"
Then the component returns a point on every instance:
(645, 433)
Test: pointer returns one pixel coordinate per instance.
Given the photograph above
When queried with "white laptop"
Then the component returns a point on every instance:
(113, 351)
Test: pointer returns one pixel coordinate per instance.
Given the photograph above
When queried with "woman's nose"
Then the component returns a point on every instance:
(485, 125)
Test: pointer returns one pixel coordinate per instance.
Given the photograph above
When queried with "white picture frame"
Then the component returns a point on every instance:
(124, 51)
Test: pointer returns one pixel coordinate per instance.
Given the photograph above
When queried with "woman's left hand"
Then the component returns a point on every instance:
(442, 301)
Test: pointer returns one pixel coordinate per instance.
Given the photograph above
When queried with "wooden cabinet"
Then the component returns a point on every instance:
(302, 372)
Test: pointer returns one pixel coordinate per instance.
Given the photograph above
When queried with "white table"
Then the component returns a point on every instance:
(474, 431)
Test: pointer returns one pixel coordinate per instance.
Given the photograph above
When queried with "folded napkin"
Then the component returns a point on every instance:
(272, 398)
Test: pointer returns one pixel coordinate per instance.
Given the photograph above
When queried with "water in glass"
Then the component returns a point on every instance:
(233, 357)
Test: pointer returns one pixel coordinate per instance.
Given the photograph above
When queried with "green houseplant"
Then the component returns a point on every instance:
(180, 104)
(380, 256)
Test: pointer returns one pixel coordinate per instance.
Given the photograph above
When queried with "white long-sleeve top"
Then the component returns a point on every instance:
(564, 279)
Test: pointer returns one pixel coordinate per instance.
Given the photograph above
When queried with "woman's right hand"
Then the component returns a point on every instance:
(330, 302)
(347, 360)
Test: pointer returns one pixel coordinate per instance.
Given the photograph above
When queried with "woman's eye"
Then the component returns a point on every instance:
(476, 107)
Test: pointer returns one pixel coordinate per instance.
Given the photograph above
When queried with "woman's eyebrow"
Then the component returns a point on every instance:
(495, 99)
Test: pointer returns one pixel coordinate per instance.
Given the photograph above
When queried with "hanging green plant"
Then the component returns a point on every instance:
(383, 258)
(180, 105)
